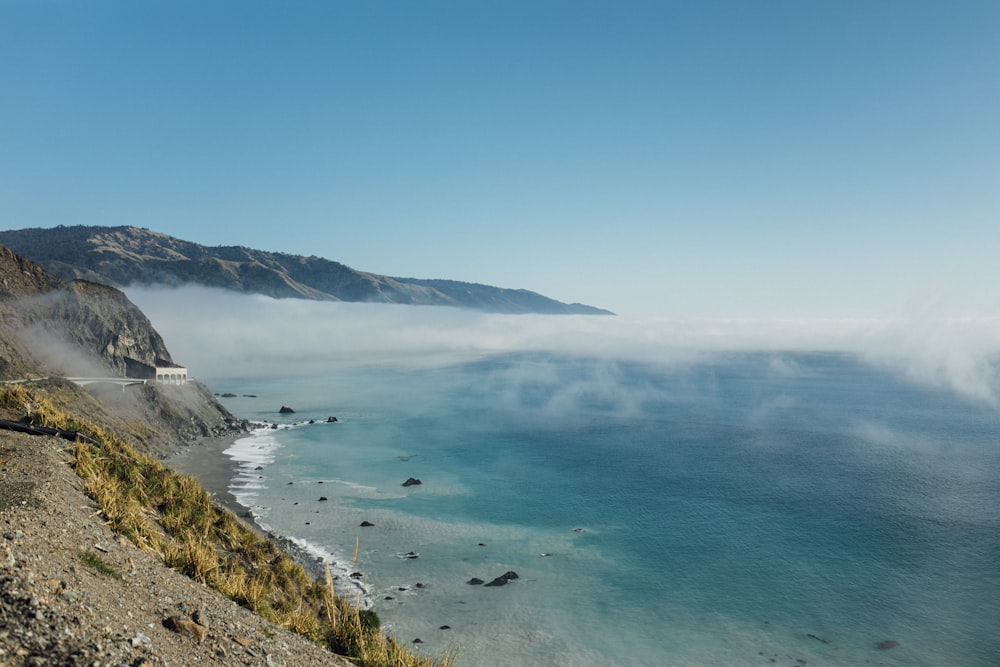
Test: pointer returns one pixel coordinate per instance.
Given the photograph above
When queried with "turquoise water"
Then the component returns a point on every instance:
(748, 509)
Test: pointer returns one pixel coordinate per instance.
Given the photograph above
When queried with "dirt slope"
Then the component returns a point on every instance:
(71, 593)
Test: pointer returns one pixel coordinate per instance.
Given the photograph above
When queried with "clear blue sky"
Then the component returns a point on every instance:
(767, 158)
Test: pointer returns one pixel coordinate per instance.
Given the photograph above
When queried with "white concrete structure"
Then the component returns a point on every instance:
(171, 375)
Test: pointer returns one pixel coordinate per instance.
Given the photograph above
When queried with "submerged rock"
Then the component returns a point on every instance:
(886, 645)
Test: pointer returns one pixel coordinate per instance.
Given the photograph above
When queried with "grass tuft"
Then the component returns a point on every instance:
(96, 562)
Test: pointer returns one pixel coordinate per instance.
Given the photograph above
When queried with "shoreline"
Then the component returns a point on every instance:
(206, 461)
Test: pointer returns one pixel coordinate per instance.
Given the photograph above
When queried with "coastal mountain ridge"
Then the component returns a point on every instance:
(123, 256)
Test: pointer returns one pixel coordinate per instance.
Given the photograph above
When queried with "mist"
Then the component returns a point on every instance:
(221, 334)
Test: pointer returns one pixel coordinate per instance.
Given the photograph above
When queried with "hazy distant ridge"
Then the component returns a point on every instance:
(123, 256)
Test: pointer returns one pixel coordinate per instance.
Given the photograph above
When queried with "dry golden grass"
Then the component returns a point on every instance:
(170, 514)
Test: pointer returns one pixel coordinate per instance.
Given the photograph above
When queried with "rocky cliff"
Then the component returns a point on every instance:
(55, 328)
(122, 256)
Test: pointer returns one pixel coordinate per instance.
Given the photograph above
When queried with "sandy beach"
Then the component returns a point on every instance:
(206, 461)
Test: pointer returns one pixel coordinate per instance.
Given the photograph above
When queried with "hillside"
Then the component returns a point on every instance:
(123, 256)
(107, 555)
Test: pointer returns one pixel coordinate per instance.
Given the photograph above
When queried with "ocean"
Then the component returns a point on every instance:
(733, 509)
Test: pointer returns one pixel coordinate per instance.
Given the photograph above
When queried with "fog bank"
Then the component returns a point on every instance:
(217, 334)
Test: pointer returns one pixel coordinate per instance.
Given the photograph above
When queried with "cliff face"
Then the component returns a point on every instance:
(48, 322)
(122, 256)
(50, 327)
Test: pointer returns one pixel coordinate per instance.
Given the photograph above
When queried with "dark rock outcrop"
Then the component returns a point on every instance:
(412, 481)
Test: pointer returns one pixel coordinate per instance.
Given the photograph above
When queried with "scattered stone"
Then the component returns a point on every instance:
(411, 555)
(476, 581)
(412, 481)
(187, 627)
(445, 627)
(418, 640)
(331, 420)
(322, 498)
(886, 645)
(367, 524)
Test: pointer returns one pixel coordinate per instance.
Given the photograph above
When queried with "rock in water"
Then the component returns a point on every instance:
(285, 410)
(412, 481)
(503, 579)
